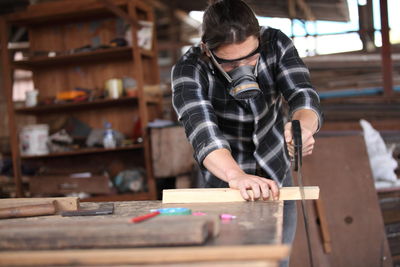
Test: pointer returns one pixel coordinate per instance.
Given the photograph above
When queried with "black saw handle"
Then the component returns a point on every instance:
(298, 144)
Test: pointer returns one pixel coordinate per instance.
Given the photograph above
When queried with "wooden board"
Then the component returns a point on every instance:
(106, 233)
(144, 255)
(340, 166)
(62, 203)
(208, 195)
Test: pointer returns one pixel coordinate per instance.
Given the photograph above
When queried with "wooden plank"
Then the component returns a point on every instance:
(204, 195)
(213, 221)
(107, 233)
(144, 255)
(62, 203)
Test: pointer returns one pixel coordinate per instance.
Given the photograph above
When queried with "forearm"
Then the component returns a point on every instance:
(221, 163)
(308, 119)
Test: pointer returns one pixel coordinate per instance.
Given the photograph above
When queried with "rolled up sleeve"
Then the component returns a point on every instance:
(194, 110)
(293, 79)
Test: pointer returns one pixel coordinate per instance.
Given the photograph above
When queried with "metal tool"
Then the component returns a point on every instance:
(298, 155)
(104, 209)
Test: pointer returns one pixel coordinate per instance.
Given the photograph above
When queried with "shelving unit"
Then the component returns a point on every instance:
(63, 26)
(85, 151)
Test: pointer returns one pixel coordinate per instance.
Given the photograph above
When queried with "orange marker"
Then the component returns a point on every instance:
(144, 217)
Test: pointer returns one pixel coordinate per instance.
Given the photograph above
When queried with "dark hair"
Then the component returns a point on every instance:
(228, 22)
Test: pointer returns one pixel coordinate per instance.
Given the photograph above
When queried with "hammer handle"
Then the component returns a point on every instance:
(28, 211)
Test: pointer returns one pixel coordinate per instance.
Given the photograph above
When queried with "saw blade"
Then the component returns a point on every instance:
(298, 155)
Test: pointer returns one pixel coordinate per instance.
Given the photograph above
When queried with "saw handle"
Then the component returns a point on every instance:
(298, 144)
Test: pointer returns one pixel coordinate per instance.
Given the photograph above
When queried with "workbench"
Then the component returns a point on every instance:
(253, 238)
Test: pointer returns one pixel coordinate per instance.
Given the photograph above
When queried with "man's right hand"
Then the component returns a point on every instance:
(260, 186)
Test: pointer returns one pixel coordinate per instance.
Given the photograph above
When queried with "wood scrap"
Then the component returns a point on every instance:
(28, 210)
(204, 195)
(62, 203)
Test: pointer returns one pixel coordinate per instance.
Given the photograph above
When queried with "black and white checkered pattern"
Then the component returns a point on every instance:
(251, 129)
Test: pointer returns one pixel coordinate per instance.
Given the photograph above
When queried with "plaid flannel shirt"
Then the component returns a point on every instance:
(253, 130)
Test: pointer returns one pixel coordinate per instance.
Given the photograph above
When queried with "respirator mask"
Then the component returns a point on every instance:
(242, 77)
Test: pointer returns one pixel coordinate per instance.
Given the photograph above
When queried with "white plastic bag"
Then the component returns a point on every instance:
(381, 160)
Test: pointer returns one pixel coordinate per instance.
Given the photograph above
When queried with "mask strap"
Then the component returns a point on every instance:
(256, 67)
(226, 75)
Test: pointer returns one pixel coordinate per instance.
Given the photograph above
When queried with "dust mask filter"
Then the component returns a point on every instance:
(244, 83)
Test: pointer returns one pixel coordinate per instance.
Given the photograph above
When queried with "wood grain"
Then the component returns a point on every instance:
(204, 195)
(107, 233)
(145, 255)
(62, 203)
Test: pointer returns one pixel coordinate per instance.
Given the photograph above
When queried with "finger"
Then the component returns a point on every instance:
(274, 189)
(291, 151)
(264, 189)
(309, 142)
(288, 132)
(243, 192)
(256, 190)
(309, 152)
(307, 149)
(290, 148)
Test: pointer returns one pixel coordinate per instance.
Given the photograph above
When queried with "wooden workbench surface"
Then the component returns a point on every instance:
(254, 236)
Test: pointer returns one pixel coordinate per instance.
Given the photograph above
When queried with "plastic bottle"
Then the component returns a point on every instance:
(109, 140)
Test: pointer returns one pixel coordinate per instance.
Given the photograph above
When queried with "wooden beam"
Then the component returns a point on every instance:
(144, 255)
(306, 9)
(7, 87)
(208, 195)
(120, 13)
(62, 203)
(291, 8)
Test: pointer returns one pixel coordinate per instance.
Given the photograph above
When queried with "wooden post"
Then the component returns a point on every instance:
(7, 86)
(143, 112)
(387, 66)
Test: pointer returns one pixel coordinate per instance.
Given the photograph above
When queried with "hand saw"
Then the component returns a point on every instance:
(298, 155)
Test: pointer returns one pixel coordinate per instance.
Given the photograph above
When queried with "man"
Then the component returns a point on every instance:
(228, 93)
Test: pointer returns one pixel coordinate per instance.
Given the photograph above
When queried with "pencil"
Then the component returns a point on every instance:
(144, 217)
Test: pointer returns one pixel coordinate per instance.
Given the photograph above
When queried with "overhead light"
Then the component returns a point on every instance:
(362, 2)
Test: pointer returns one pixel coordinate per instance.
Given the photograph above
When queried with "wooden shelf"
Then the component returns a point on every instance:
(84, 151)
(84, 105)
(64, 11)
(147, 53)
(118, 197)
(77, 105)
(118, 53)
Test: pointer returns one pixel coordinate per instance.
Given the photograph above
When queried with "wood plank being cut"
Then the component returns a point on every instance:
(204, 195)
(62, 203)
